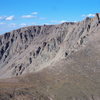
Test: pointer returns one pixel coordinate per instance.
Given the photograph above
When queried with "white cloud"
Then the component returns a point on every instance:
(88, 15)
(58, 22)
(74, 21)
(28, 16)
(91, 15)
(47, 23)
(23, 24)
(13, 25)
(9, 18)
(33, 23)
(34, 13)
(83, 15)
(54, 21)
(62, 21)
(2, 23)
(2, 17)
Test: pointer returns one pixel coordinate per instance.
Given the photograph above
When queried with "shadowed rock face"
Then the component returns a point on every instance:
(64, 58)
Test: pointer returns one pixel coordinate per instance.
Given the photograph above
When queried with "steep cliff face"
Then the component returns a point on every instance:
(32, 48)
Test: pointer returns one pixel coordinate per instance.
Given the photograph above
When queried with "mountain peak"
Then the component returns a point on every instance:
(20, 49)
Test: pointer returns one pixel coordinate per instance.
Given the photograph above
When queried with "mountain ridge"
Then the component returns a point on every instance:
(51, 62)
(43, 39)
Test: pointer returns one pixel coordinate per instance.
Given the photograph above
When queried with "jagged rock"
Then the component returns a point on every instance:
(66, 54)
(6, 36)
(88, 28)
(44, 44)
(30, 60)
(38, 50)
(98, 16)
(40, 44)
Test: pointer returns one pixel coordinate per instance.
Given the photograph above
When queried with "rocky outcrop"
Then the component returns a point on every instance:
(28, 48)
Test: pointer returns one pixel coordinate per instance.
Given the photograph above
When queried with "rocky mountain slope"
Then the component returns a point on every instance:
(53, 62)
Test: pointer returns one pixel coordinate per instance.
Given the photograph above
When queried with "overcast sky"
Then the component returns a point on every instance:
(19, 13)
